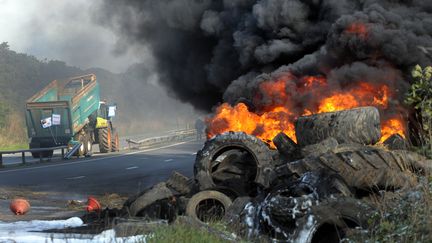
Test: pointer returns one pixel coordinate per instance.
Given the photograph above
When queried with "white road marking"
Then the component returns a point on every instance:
(132, 168)
(168, 160)
(92, 160)
(75, 178)
(194, 153)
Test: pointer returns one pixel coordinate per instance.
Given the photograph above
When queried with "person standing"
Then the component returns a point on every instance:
(199, 126)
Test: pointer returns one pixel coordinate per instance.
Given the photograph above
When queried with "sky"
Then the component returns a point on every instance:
(63, 30)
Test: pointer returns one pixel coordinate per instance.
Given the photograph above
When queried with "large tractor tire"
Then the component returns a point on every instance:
(208, 206)
(105, 139)
(314, 150)
(115, 143)
(364, 169)
(234, 160)
(360, 125)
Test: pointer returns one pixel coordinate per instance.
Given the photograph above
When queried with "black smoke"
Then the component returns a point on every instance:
(208, 51)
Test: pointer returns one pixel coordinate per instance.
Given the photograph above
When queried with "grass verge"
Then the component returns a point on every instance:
(16, 146)
(13, 135)
(401, 217)
(179, 233)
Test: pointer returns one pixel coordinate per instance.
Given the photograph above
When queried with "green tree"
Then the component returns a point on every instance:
(4, 112)
(420, 97)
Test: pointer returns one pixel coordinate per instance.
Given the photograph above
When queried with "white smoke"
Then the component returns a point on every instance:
(63, 30)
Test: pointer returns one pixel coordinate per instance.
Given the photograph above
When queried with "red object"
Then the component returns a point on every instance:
(19, 206)
(93, 205)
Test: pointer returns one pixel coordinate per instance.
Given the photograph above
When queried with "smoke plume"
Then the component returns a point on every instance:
(208, 51)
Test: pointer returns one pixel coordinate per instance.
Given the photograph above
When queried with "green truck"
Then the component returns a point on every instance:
(70, 112)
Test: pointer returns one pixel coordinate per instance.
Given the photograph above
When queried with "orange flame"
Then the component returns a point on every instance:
(313, 80)
(278, 114)
(359, 29)
(239, 119)
(364, 94)
(392, 126)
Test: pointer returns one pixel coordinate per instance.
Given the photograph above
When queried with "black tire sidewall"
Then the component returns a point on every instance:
(204, 195)
(259, 150)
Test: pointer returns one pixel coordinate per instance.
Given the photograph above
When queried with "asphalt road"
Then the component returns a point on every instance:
(122, 173)
(14, 159)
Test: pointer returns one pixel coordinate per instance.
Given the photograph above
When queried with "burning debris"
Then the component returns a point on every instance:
(289, 55)
(310, 91)
(314, 189)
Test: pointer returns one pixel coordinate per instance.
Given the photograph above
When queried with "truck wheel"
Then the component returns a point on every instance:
(48, 154)
(115, 144)
(35, 155)
(104, 135)
(45, 154)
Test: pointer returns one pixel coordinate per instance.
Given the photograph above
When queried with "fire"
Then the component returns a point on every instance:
(337, 102)
(359, 29)
(276, 107)
(239, 119)
(392, 126)
(313, 80)
(363, 94)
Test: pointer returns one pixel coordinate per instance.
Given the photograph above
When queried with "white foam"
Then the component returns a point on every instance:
(24, 232)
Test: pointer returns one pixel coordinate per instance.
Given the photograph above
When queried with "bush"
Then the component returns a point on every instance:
(420, 97)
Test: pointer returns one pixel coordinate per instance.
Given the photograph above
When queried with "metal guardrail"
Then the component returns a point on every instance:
(175, 136)
(23, 151)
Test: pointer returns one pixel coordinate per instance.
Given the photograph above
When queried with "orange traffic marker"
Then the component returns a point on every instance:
(93, 205)
(19, 206)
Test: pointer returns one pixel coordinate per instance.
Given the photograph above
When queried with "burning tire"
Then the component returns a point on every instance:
(208, 206)
(329, 220)
(360, 125)
(234, 160)
(104, 135)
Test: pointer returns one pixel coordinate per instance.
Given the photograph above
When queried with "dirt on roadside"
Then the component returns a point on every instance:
(50, 205)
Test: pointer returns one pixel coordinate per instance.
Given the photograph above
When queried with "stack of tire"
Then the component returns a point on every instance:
(334, 154)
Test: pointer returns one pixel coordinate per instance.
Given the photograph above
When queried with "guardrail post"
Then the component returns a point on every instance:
(23, 157)
(62, 153)
(1, 160)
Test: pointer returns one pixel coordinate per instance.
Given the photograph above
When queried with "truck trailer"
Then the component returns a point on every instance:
(71, 113)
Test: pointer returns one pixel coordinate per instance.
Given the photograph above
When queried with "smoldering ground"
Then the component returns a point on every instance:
(208, 51)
